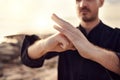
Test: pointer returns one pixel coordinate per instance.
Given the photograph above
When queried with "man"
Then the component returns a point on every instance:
(89, 52)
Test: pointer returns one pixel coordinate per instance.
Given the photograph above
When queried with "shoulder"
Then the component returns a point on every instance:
(117, 30)
(110, 34)
(111, 30)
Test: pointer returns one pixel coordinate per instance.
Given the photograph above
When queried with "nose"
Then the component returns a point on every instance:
(83, 3)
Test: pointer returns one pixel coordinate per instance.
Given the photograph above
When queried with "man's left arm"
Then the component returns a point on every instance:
(106, 58)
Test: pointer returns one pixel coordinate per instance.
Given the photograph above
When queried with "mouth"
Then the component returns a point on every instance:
(84, 11)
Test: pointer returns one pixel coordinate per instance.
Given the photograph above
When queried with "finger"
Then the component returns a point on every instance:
(65, 24)
(58, 29)
(67, 33)
(72, 35)
(57, 19)
(69, 46)
(61, 22)
(63, 42)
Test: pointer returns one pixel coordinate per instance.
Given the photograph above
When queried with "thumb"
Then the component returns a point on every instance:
(63, 41)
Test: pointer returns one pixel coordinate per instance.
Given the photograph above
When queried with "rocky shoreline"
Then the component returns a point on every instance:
(22, 72)
(11, 67)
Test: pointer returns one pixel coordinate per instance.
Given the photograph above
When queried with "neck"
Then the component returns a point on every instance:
(88, 26)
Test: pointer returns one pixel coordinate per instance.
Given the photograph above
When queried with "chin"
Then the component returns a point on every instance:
(87, 19)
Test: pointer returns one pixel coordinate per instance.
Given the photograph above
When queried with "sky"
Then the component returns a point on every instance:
(34, 16)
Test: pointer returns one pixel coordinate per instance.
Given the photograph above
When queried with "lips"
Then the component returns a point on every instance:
(84, 10)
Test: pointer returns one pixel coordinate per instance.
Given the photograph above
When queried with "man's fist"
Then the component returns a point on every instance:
(58, 43)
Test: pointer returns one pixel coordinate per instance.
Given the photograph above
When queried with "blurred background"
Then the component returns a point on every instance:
(21, 17)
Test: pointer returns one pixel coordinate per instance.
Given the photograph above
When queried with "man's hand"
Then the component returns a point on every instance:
(57, 42)
(87, 49)
(73, 34)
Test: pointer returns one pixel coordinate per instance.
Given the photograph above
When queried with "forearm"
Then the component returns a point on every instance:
(106, 58)
(26, 60)
(36, 50)
(55, 43)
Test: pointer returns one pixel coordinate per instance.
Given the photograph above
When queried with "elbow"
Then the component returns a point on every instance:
(32, 63)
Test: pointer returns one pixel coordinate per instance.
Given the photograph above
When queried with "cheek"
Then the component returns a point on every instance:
(94, 10)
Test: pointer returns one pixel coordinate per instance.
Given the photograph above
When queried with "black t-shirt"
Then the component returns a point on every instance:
(71, 65)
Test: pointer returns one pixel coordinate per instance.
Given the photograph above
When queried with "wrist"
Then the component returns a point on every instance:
(89, 51)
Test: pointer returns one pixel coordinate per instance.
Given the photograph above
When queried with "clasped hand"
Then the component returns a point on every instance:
(72, 34)
(68, 38)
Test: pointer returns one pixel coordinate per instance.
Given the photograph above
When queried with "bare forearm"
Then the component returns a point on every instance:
(55, 43)
(36, 50)
(106, 58)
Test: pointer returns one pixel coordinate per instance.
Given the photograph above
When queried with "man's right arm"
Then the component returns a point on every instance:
(34, 50)
(54, 43)
(26, 60)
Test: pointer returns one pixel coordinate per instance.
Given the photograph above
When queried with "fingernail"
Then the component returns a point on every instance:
(53, 15)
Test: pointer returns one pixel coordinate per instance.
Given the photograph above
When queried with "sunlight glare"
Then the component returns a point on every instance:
(1, 39)
(43, 24)
(16, 9)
